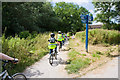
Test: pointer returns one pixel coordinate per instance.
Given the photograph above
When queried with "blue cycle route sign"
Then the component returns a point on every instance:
(86, 19)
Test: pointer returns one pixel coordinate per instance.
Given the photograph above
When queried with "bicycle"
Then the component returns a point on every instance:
(60, 45)
(5, 74)
(53, 56)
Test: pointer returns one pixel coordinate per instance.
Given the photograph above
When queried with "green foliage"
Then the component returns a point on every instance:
(107, 13)
(0, 44)
(83, 54)
(28, 16)
(119, 49)
(96, 55)
(98, 52)
(73, 54)
(28, 50)
(69, 15)
(24, 34)
(98, 36)
(77, 64)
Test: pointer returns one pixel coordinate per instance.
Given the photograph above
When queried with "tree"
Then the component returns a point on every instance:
(107, 12)
(69, 15)
(24, 16)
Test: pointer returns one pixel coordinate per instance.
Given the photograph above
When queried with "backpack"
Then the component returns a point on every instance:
(52, 40)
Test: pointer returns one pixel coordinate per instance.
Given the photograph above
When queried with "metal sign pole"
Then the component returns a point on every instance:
(86, 33)
(86, 19)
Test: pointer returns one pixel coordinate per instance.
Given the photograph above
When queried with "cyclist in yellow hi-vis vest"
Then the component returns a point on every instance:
(68, 35)
(59, 39)
(52, 43)
(63, 38)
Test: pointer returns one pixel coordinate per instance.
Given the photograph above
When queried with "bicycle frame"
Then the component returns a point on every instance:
(5, 74)
(53, 52)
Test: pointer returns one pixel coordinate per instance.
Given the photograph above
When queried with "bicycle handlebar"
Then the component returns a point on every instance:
(7, 61)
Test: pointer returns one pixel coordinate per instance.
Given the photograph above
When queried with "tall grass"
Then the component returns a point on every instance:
(0, 44)
(28, 50)
(98, 36)
(76, 62)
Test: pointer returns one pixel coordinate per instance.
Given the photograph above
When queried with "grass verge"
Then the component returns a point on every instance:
(76, 62)
(28, 50)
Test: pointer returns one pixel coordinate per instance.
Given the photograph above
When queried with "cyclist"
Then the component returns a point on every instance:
(52, 43)
(63, 38)
(68, 35)
(6, 57)
(59, 39)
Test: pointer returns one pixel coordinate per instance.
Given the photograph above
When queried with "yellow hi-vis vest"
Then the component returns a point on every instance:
(63, 37)
(68, 34)
(59, 37)
(52, 45)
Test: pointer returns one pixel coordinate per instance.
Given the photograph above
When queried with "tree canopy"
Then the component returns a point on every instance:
(107, 11)
(41, 17)
(69, 15)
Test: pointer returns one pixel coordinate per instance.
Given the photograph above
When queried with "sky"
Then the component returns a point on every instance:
(85, 3)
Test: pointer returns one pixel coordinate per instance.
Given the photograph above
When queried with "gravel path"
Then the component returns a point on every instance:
(42, 68)
(108, 70)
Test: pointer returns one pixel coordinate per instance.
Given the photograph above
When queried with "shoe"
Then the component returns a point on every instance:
(56, 52)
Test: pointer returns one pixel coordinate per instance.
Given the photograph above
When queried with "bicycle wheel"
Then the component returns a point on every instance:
(19, 76)
(51, 59)
(56, 56)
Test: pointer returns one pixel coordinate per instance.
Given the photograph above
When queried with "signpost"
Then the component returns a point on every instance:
(86, 19)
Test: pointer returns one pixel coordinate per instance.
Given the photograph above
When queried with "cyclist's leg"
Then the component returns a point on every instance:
(61, 44)
(51, 51)
(68, 37)
(56, 49)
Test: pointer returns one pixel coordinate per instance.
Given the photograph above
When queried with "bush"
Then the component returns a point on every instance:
(24, 34)
(98, 36)
(28, 50)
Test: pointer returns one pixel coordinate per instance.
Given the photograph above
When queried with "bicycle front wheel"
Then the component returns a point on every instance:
(19, 76)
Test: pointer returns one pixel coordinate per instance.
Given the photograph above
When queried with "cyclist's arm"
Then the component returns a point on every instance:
(5, 57)
(55, 40)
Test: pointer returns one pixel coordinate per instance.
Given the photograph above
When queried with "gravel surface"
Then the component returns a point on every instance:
(108, 70)
(42, 68)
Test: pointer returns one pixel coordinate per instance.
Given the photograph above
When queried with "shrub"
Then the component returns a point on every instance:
(28, 50)
(98, 36)
(24, 34)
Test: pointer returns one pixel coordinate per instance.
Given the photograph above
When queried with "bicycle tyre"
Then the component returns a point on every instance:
(51, 59)
(56, 56)
(19, 76)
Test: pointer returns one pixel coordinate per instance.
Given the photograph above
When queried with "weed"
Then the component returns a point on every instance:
(98, 52)
(28, 50)
(77, 64)
(83, 54)
(98, 36)
(95, 55)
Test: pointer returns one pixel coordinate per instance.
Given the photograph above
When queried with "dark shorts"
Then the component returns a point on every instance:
(60, 44)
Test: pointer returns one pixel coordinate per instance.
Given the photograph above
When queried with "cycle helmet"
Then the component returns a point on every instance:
(52, 34)
(59, 32)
